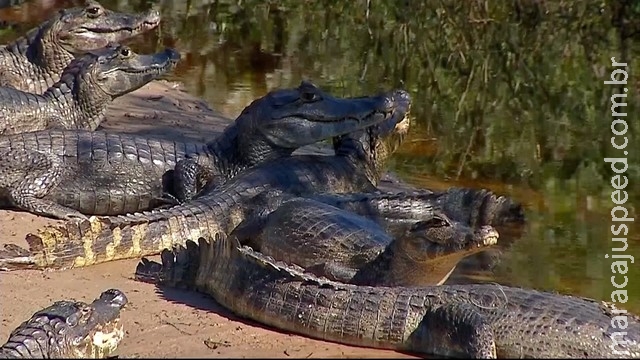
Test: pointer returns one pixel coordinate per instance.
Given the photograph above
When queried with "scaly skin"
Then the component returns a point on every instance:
(79, 100)
(34, 62)
(295, 118)
(70, 329)
(66, 174)
(346, 247)
(472, 207)
(477, 321)
(10, 3)
(76, 244)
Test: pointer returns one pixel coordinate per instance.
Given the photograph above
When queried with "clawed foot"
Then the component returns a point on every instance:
(76, 217)
(148, 271)
(168, 200)
(13, 257)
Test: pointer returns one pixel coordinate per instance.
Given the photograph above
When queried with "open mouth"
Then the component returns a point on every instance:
(489, 235)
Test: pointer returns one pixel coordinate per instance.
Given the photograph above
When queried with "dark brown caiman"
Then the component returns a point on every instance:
(70, 329)
(476, 320)
(34, 62)
(76, 244)
(79, 99)
(346, 247)
(66, 174)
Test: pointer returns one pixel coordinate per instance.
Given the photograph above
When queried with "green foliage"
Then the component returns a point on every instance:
(512, 90)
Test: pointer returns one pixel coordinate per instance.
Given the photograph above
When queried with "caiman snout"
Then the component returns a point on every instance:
(396, 100)
(153, 17)
(172, 54)
(114, 297)
(71, 329)
(402, 99)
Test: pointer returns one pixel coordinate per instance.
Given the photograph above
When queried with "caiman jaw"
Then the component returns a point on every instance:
(150, 21)
(72, 329)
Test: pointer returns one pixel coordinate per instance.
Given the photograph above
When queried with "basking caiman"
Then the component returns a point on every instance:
(476, 321)
(395, 211)
(70, 329)
(79, 99)
(346, 247)
(66, 174)
(34, 62)
(101, 239)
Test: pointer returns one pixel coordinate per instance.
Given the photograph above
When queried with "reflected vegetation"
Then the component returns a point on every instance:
(507, 95)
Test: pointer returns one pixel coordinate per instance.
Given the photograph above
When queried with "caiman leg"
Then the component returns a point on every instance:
(193, 174)
(31, 175)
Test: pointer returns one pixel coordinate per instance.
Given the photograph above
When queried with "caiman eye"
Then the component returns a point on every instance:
(93, 11)
(434, 222)
(437, 222)
(125, 52)
(308, 96)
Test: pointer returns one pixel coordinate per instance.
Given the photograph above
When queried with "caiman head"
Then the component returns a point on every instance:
(72, 329)
(117, 70)
(375, 145)
(98, 77)
(429, 251)
(78, 30)
(287, 119)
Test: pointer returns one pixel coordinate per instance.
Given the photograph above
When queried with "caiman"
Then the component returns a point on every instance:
(396, 211)
(472, 321)
(34, 62)
(79, 99)
(70, 329)
(110, 238)
(346, 247)
(66, 174)
(76, 244)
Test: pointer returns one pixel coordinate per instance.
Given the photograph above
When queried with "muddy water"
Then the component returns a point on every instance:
(498, 103)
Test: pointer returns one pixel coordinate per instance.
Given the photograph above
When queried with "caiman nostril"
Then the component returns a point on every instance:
(153, 16)
(388, 103)
(172, 53)
(402, 98)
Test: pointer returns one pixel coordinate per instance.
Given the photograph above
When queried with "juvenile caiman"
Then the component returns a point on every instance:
(66, 174)
(70, 329)
(79, 99)
(34, 62)
(476, 321)
(76, 244)
(346, 247)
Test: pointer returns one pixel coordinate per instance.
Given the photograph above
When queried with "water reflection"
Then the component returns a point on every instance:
(508, 96)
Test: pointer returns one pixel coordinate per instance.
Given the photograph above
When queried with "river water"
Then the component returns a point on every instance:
(508, 97)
